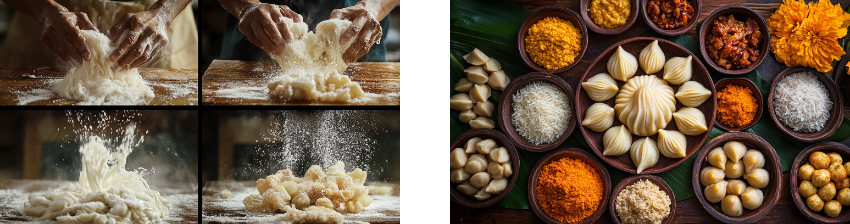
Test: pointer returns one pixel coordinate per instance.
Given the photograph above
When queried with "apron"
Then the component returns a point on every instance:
(23, 46)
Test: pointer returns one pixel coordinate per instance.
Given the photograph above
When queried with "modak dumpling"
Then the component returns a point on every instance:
(736, 187)
(692, 94)
(752, 198)
(678, 70)
(600, 87)
(717, 158)
(616, 141)
(599, 117)
(715, 192)
(690, 121)
(734, 170)
(672, 143)
(652, 58)
(711, 175)
(753, 159)
(644, 154)
(731, 206)
(645, 104)
(622, 65)
(734, 150)
(758, 178)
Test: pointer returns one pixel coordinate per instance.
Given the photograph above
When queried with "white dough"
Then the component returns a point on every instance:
(312, 64)
(94, 81)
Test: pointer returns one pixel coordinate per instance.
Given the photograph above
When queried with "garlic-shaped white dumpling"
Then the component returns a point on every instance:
(734, 150)
(692, 94)
(599, 117)
(715, 192)
(616, 141)
(644, 154)
(734, 170)
(622, 65)
(753, 159)
(678, 70)
(731, 206)
(600, 87)
(652, 58)
(736, 187)
(711, 175)
(672, 143)
(752, 198)
(645, 104)
(717, 158)
(690, 121)
(758, 178)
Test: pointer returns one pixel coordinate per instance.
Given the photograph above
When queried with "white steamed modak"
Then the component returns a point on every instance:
(644, 154)
(622, 65)
(692, 94)
(690, 121)
(671, 143)
(616, 141)
(599, 117)
(652, 58)
(646, 104)
(678, 70)
(600, 87)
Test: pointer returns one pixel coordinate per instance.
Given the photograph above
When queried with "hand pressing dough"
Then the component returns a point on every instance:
(94, 82)
(460, 101)
(498, 80)
(476, 74)
(476, 57)
(479, 93)
(463, 85)
(467, 115)
(312, 64)
(482, 122)
(484, 108)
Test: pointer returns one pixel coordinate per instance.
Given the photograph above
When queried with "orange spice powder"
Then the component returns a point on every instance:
(736, 106)
(569, 190)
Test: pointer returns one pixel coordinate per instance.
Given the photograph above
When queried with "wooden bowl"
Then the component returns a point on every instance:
(743, 82)
(674, 32)
(803, 158)
(572, 153)
(741, 13)
(612, 202)
(836, 114)
(585, 14)
(549, 11)
(505, 108)
(634, 46)
(771, 192)
(484, 133)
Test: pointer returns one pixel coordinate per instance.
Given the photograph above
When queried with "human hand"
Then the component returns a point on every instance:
(61, 34)
(263, 25)
(146, 35)
(365, 30)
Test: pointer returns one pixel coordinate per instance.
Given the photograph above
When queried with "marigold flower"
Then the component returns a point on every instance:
(808, 35)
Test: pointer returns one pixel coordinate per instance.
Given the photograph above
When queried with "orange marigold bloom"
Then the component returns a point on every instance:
(808, 35)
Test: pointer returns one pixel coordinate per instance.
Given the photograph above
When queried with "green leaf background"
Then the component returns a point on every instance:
(491, 26)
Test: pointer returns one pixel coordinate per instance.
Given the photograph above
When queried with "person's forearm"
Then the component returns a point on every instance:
(35, 8)
(237, 7)
(170, 8)
(379, 8)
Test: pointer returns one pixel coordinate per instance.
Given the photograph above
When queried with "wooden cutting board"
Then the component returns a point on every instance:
(250, 80)
(231, 210)
(14, 193)
(171, 86)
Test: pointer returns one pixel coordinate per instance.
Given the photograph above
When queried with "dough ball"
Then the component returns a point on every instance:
(476, 57)
(458, 158)
(837, 172)
(476, 74)
(508, 170)
(479, 180)
(485, 146)
(814, 203)
(827, 192)
(475, 164)
(715, 192)
(467, 115)
(463, 85)
(469, 147)
(461, 101)
(500, 155)
(844, 197)
(459, 175)
(752, 198)
(492, 65)
(806, 189)
(467, 188)
(484, 108)
(736, 187)
(758, 178)
(805, 172)
(482, 195)
(731, 206)
(832, 208)
(711, 175)
(495, 170)
(819, 160)
(479, 93)
(498, 80)
(820, 177)
(497, 186)
(834, 157)
(734, 170)
(717, 158)
(482, 122)
(844, 183)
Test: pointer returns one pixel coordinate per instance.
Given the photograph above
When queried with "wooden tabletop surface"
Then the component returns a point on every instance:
(688, 210)
(231, 210)
(171, 86)
(14, 193)
(228, 82)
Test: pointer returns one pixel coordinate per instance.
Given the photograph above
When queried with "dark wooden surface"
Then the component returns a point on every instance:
(803, 158)
(506, 111)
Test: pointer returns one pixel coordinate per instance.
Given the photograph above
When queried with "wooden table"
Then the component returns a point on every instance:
(250, 81)
(171, 86)
(221, 210)
(688, 210)
(14, 193)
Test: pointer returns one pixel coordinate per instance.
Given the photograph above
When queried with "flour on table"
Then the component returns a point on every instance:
(94, 81)
(312, 65)
(105, 193)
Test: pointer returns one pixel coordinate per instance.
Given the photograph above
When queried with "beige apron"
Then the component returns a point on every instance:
(23, 46)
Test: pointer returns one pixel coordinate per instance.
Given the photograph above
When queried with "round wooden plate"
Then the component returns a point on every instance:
(572, 153)
(836, 114)
(550, 11)
(803, 158)
(506, 109)
(634, 46)
(741, 13)
(585, 14)
(484, 133)
(771, 192)
(674, 32)
(612, 207)
(743, 82)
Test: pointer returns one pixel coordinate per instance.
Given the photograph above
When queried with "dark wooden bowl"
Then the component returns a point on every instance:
(612, 207)
(743, 82)
(803, 158)
(484, 133)
(572, 153)
(771, 192)
(549, 11)
(741, 13)
(836, 114)
(674, 32)
(634, 46)
(585, 8)
(506, 108)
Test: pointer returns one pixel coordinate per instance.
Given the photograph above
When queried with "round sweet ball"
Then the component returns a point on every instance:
(844, 197)
(837, 172)
(805, 172)
(834, 157)
(820, 178)
(832, 208)
(814, 203)
(806, 189)
(819, 160)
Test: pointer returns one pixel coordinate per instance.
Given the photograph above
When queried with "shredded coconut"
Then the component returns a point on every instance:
(642, 202)
(540, 112)
(801, 102)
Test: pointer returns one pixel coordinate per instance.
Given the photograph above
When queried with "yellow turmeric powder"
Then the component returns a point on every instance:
(553, 43)
(569, 190)
(736, 106)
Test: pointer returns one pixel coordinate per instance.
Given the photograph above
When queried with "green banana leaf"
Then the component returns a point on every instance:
(491, 26)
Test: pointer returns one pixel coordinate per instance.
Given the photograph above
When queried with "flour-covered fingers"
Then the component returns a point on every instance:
(129, 40)
(118, 28)
(135, 51)
(267, 43)
(271, 27)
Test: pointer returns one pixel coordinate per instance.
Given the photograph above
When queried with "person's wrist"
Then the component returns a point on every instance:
(247, 8)
(49, 11)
